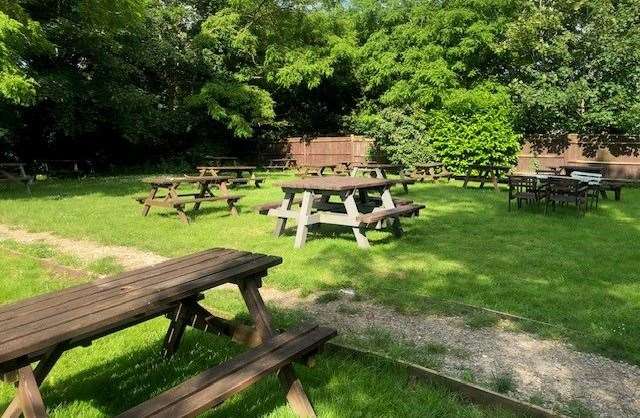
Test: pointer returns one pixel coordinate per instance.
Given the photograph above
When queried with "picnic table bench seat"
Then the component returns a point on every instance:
(212, 387)
(380, 215)
(263, 209)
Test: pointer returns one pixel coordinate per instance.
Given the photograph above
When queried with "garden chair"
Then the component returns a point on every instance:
(524, 188)
(593, 180)
(566, 190)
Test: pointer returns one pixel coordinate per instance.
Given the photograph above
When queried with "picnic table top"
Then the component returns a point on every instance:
(317, 165)
(227, 167)
(282, 159)
(37, 324)
(336, 183)
(184, 179)
(12, 164)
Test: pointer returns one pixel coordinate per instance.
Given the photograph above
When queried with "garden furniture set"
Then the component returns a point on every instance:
(42, 328)
(484, 174)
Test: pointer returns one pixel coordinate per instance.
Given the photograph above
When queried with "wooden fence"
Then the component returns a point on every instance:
(620, 156)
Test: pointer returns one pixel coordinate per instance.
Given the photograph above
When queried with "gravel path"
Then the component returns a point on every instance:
(549, 370)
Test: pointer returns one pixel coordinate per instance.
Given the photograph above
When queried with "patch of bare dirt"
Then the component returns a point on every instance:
(89, 251)
(549, 370)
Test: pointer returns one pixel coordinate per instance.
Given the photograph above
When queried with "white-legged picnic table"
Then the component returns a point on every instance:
(236, 173)
(315, 169)
(355, 209)
(176, 200)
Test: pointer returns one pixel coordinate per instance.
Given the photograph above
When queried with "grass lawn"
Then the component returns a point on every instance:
(579, 274)
(126, 368)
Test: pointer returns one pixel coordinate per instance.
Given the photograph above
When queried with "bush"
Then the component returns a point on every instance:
(477, 139)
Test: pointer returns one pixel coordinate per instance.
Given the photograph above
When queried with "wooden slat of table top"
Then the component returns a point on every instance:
(228, 167)
(84, 289)
(184, 179)
(429, 165)
(116, 285)
(335, 183)
(44, 331)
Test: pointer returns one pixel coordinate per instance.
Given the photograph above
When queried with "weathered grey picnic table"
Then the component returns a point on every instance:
(235, 172)
(356, 208)
(379, 170)
(485, 173)
(176, 200)
(42, 328)
(15, 173)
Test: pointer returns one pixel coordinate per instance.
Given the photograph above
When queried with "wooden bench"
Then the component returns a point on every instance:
(281, 164)
(212, 387)
(15, 173)
(380, 215)
(264, 208)
(246, 180)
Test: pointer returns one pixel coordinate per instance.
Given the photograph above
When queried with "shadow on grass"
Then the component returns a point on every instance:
(577, 273)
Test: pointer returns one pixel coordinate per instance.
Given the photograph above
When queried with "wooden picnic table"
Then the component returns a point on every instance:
(65, 167)
(315, 169)
(15, 173)
(379, 170)
(174, 199)
(485, 173)
(355, 209)
(42, 328)
(429, 172)
(220, 161)
(236, 173)
(570, 168)
(281, 164)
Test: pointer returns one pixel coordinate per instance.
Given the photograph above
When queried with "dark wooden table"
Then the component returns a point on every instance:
(315, 169)
(221, 161)
(428, 172)
(236, 173)
(374, 169)
(42, 328)
(351, 211)
(485, 173)
(281, 164)
(174, 199)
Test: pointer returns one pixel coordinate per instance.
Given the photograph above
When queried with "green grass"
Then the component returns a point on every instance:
(126, 368)
(578, 274)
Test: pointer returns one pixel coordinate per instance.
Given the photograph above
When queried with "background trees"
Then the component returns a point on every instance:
(122, 79)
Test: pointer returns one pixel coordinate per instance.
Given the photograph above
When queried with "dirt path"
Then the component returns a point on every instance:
(550, 371)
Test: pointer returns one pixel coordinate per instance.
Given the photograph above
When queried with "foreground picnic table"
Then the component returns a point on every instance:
(42, 328)
(356, 208)
(173, 199)
(485, 173)
(236, 173)
(15, 173)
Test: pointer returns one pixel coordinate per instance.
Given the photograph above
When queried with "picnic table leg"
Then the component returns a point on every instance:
(387, 203)
(303, 219)
(483, 177)
(147, 206)
(466, 178)
(495, 180)
(201, 193)
(296, 396)
(28, 401)
(175, 331)
(352, 211)
(281, 223)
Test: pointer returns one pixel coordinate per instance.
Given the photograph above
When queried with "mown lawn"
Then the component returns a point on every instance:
(126, 368)
(579, 274)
